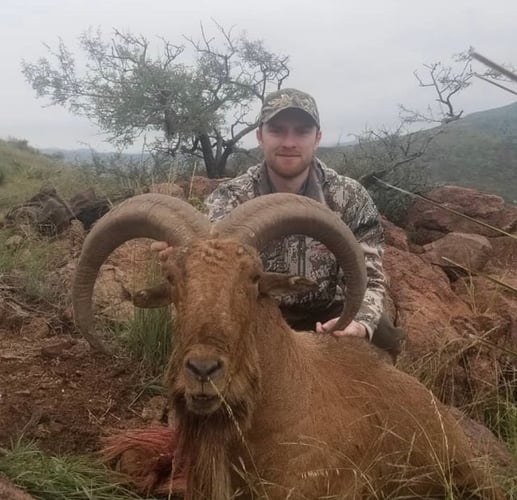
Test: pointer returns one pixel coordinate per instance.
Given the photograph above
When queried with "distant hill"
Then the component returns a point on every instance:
(84, 155)
(478, 151)
(498, 121)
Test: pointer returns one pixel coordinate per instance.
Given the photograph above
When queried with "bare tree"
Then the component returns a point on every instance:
(447, 81)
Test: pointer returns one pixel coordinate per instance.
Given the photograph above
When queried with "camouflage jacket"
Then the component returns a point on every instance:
(303, 256)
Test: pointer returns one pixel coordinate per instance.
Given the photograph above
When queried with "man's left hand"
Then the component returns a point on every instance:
(354, 329)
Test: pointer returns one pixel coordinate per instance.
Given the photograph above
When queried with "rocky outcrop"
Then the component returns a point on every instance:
(427, 222)
(470, 251)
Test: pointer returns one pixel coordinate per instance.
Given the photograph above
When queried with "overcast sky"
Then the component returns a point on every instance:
(356, 57)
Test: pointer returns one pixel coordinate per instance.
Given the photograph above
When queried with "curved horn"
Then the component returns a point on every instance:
(156, 216)
(274, 216)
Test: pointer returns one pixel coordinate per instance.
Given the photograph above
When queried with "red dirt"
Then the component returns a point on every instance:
(55, 391)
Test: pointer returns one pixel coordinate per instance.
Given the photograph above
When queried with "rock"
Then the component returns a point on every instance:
(35, 328)
(471, 251)
(14, 242)
(56, 348)
(423, 300)
(427, 222)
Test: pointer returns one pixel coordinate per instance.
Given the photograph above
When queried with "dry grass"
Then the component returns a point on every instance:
(25, 171)
(31, 267)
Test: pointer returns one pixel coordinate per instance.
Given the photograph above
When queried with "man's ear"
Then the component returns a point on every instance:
(318, 139)
(278, 284)
(156, 296)
(258, 134)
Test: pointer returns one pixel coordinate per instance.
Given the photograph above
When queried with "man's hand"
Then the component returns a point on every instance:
(354, 329)
(163, 249)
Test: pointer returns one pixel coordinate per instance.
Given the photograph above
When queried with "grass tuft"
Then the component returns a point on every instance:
(61, 478)
(148, 338)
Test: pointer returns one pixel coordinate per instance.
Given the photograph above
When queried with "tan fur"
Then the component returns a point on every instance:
(297, 415)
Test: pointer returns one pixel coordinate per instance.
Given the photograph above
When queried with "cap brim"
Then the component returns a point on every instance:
(271, 115)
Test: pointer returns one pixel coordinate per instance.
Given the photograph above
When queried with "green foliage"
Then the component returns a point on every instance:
(183, 106)
(60, 478)
(500, 413)
(148, 337)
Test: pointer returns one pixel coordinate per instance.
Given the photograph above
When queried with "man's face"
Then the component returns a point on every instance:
(289, 141)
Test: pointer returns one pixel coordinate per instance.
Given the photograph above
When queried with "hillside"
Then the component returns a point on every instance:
(479, 151)
(24, 170)
(498, 121)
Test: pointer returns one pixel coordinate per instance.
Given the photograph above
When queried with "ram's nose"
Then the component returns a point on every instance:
(203, 369)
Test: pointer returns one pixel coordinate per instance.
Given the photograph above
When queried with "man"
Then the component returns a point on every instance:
(289, 135)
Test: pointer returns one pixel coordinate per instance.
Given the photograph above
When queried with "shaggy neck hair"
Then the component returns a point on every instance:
(205, 455)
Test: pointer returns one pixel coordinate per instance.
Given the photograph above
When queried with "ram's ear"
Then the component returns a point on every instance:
(156, 296)
(278, 284)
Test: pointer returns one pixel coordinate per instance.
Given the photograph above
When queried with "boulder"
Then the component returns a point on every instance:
(427, 222)
(87, 207)
(423, 301)
(471, 251)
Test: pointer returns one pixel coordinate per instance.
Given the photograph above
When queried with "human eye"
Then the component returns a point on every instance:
(306, 130)
(275, 129)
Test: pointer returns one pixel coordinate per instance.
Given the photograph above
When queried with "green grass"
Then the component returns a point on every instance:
(61, 477)
(501, 418)
(500, 414)
(148, 338)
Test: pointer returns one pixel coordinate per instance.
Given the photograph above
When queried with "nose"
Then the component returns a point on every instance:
(289, 140)
(203, 369)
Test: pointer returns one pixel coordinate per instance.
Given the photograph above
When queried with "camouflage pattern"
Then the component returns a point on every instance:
(285, 99)
(303, 256)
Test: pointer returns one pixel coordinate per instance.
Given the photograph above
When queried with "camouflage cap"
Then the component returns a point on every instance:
(285, 99)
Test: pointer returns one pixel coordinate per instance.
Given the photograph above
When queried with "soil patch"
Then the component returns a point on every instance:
(55, 391)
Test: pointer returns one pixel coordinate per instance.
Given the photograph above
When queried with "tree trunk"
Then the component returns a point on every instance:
(208, 156)
(215, 164)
